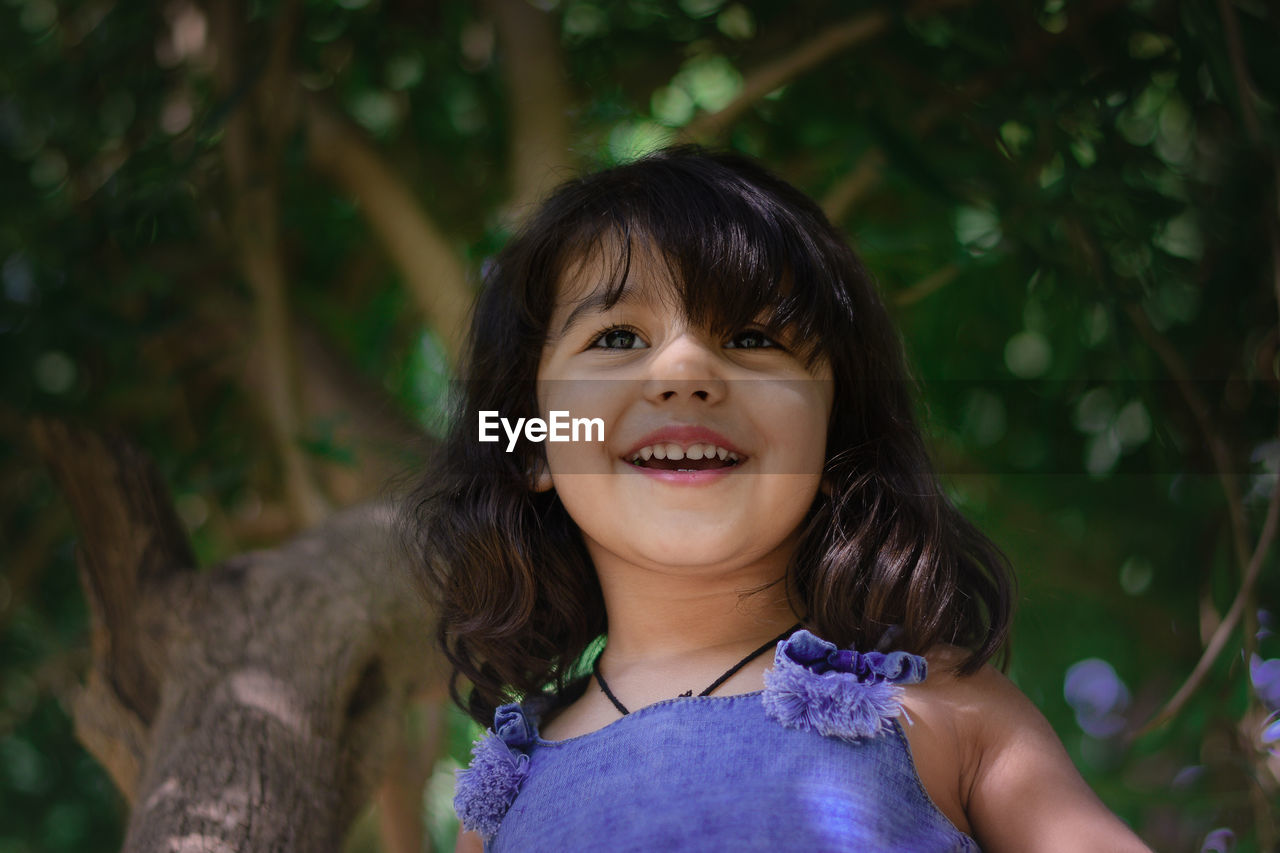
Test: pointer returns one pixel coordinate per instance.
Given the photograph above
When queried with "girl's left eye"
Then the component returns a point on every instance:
(751, 339)
(618, 338)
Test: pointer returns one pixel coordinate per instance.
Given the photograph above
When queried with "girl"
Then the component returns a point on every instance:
(759, 524)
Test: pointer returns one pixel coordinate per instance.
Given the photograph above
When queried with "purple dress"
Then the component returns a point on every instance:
(815, 761)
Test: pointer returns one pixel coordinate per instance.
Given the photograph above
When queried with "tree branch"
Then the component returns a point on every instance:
(935, 280)
(130, 536)
(251, 148)
(1244, 87)
(252, 705)
(1271, 216)
(848, 191)
(853, 187)
(538, 101)
(708, 127)
(432, 272)
(384, 442)
(1218, 450)
(1251, 564)
(27, 559)
(1229, 622)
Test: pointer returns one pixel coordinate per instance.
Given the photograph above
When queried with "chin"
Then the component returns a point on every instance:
(684, 553)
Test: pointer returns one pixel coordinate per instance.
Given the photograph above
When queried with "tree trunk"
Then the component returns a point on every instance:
(250, 706)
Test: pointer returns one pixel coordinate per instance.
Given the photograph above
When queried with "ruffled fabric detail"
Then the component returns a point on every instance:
(815, 686)
(499, 765)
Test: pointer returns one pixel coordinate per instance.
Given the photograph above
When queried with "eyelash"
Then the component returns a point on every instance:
(596, 338)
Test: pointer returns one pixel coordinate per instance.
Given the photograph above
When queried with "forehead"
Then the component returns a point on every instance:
(604, 276)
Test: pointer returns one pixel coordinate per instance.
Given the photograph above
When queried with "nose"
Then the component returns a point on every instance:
(687, 367)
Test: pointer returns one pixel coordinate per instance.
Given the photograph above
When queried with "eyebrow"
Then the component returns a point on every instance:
(594, 303)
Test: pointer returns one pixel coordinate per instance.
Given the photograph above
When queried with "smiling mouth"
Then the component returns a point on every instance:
(672, 457)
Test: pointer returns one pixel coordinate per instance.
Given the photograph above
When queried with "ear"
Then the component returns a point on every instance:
(540, 476)
(825, 485)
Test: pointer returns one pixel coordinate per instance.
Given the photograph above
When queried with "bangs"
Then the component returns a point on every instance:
(735, 253)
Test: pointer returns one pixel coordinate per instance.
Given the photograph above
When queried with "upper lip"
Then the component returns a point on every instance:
(685, 435)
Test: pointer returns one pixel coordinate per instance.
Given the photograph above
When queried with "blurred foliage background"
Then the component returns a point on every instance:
(243, 235)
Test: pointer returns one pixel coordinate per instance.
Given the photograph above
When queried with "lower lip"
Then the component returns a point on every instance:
(687, 478)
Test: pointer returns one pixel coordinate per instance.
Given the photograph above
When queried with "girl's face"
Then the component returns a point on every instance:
(660, 385)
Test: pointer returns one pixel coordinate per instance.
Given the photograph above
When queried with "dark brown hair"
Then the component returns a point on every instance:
(516, 594)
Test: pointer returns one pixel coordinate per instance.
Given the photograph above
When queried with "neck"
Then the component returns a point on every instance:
(660, 615)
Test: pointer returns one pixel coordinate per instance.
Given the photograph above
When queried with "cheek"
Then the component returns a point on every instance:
(796, 421)
(586, 499)
(790, 496)
(583, 404)
(820, 421)
(578, 397)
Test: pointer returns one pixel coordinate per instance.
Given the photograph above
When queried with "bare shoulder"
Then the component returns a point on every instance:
(957, 707)
(985, 705)
(940, 743)
(944, 716)
(1016, 783)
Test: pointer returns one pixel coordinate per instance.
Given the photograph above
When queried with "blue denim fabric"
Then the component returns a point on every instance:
(717, 773)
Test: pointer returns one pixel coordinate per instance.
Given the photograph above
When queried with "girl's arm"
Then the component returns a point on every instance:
(1021, 791)
(468, 842)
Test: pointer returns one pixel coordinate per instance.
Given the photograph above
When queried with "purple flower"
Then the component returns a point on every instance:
(1271, 734)
(1265, 675)
(814, 686)
(1098, 696)
(1221, 840)
(1188, 776)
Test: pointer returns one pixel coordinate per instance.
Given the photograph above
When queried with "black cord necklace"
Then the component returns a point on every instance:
(622, 709)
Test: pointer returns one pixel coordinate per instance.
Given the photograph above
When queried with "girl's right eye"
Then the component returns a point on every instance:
(618, 338)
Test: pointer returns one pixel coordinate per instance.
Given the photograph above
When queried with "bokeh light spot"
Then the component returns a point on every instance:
(55, 372)
(1028, 354)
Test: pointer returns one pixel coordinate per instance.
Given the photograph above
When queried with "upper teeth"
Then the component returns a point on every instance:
(675, 452)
